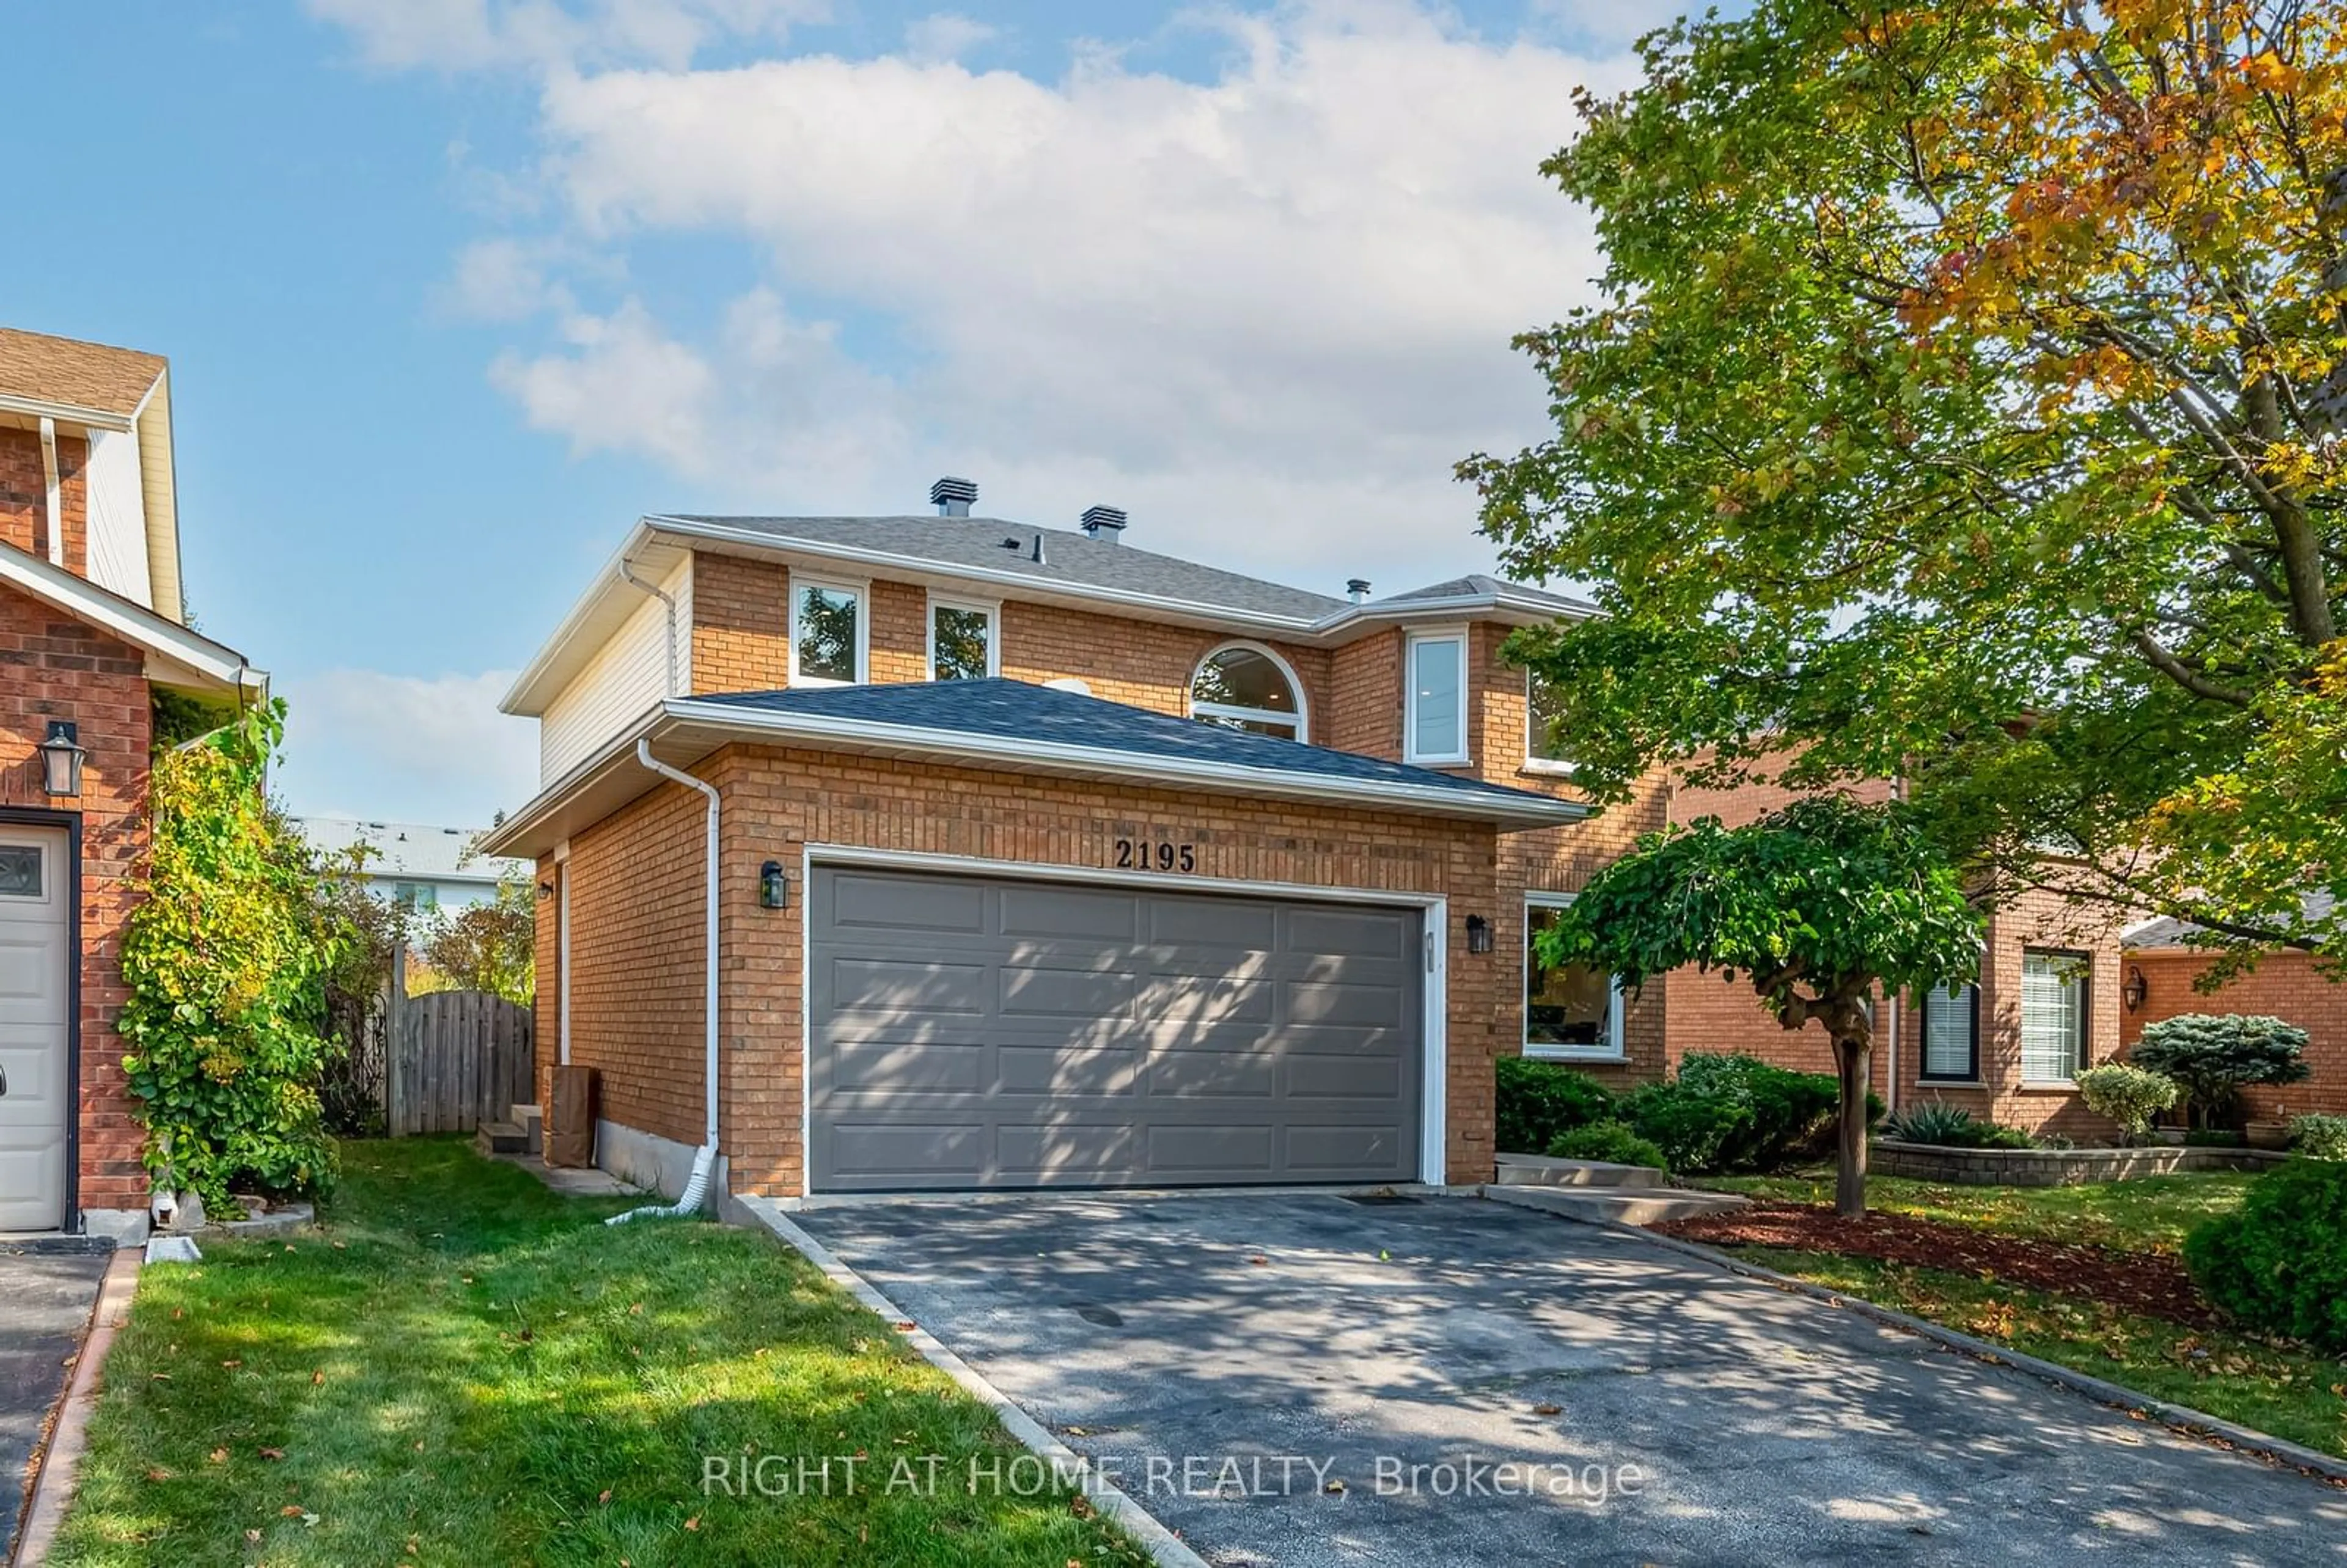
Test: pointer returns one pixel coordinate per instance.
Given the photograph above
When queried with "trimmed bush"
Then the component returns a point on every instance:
(1694, 1129)
(2127, 1095)
(2279, 1262)
(1612, 1142)
(1537, 1101)
(2319, 1137)
(2213, 1056)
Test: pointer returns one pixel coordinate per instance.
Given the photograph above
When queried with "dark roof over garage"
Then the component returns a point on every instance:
(1006, 710)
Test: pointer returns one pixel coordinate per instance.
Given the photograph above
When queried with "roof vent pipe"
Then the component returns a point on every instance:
(1038, 557)
(1357, 589)
(1105, 524)
(953, 497)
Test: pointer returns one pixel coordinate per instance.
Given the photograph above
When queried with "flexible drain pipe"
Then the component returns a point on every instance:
(704, 1163)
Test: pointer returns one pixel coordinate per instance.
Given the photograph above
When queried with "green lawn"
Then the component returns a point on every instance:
(462, 1367)
(2289, 1391)
(2151, 1214)
(2285, 1389)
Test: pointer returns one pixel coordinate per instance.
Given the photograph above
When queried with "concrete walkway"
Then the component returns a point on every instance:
(47, 1288)
(1370, 1368)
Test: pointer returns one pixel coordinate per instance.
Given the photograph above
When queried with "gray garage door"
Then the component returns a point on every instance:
(976, 1033)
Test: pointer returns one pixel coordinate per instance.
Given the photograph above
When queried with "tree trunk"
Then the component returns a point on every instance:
(1849, 1180)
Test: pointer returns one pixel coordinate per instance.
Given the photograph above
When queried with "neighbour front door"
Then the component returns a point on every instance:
(36, 952)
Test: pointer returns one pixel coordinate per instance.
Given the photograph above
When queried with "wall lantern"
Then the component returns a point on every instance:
(1478, 934)
(61, 756)
(774, 887)
(2136, 990)
(546, 889)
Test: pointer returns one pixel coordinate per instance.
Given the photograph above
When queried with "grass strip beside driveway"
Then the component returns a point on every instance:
(459, 1368)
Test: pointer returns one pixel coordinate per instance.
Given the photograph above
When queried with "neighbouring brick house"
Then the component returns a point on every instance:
(1041, 858)
(91, 623)
(2159, 966)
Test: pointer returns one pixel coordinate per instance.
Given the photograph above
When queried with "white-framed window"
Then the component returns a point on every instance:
(1544, 752)
(964, 641)
(2052, 1015)
(1434, 713)
(1952, 1034)
(416, 896)
(830, 634)
(1246, 686)
(1571, 1012)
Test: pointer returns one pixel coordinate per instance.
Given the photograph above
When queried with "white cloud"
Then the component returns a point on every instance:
(380, 746)
(504, 280)
(1267, 312)
(943, 35)
(474, 35)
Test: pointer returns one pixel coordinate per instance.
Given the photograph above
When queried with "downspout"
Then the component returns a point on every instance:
(56, 492)
(562, 957)
(1891, 1006)
(628, 575)
(696, 1189)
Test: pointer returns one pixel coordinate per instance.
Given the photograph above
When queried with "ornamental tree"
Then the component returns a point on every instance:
(1815, 905)
(2213, 1057)
(1963, 404)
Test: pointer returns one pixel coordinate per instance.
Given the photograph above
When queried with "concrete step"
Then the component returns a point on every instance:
(1539, 1171)
(500, 1138)
(528, 1119)
(1629, 1206)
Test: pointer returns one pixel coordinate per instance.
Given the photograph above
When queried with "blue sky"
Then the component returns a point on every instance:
(453, 290)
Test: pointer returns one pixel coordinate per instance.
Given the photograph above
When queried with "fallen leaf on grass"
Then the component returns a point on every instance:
(606, 1496)
(693, 1523)
(272, 1453)
(232, 1363)
(290, 1510)
(218, 1456)
(317, 1377)
(158, 1474)
(159, 1377)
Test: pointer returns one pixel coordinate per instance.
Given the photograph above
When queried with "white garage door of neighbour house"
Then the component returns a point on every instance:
(36, 1000)
(972, 1032)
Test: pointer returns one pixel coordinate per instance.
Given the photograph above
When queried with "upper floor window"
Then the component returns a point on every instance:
(1249, 688)
(962, 644)
(415, 894)
(827, 633)
(1544, 751)
(1434, 721)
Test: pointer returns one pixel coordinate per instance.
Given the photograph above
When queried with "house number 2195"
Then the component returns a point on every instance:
(1140, 855)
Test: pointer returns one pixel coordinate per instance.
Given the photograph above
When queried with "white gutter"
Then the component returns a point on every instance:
(696, 1188)
(54, 490)
(64, 413)
(133, 623)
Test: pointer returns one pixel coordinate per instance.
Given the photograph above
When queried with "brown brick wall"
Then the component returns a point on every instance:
(52, 667)
(740, 625)
(635, 947)
(2284, 985)
(24, 495)
(636, 962)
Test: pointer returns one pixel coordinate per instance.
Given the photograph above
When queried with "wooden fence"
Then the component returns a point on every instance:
(457, 1059)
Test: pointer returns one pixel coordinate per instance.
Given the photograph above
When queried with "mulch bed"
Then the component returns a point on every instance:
(2153, 1285)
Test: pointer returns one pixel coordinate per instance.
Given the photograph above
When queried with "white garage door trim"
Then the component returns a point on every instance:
(58, 836)
(1432, 1140)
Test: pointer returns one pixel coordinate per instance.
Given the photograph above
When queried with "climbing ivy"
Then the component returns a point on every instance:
(223, 957)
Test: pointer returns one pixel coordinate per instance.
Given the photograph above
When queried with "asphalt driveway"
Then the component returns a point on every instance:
(1654, 1410)
(47, 1290)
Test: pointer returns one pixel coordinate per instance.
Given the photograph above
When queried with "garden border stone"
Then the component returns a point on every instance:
(2054, 1167)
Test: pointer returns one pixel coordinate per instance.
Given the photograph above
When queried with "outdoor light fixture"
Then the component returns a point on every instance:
(546, 889)
(1478, 934)
(61, 756)
(2136, 990)
(774, 887)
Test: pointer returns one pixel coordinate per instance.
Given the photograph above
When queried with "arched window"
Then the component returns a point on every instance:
(1249, 688)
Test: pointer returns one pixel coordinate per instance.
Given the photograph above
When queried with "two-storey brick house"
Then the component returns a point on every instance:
(92, 624)
(1041, 858)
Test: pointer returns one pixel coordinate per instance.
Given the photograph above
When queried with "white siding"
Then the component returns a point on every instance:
(625, 677)
(117, 516)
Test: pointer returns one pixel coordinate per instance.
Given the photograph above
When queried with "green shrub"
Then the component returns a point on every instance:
(1536, 1100)
(2215, 1138)
(2319, 1137)
(2212, 1057)
(1696, 1130)
(2128, 1094)
(2279, 1262)
(1611, 1142)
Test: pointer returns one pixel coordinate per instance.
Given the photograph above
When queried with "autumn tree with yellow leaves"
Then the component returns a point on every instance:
(1963, 403)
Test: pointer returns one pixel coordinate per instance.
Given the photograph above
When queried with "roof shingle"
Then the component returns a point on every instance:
(81, 375)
